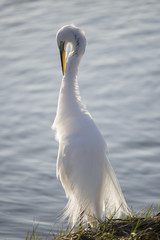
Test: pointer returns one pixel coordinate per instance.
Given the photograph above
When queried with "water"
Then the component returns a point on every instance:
(119, 80)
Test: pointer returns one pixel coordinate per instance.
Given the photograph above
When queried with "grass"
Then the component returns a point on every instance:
(140, 226)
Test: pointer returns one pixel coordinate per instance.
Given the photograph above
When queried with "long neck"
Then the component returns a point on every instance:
(69, 103)
(70, 78)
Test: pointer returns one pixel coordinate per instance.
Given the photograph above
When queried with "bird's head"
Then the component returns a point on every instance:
(74, 36)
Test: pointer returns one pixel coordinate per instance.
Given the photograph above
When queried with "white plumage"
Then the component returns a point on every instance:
(84, 170)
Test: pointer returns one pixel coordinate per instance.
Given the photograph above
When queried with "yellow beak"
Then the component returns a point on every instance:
(63, 60)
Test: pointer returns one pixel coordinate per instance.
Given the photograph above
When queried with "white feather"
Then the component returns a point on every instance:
(84, 170)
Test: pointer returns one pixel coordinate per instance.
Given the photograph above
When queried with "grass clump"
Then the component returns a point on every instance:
(142, 226)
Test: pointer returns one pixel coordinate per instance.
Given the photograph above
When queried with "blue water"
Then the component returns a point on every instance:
(119, 80)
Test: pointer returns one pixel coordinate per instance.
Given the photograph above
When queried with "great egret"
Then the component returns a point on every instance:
(84, 170)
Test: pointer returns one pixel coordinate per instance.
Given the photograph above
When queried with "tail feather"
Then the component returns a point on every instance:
(114, 200)
(111, 200)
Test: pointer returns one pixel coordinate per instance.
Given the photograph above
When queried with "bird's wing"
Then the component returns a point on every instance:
(81, 151)
(69, 149)
(61, 169)
(68, 161)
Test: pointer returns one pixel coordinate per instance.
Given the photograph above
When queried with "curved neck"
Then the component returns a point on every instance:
(69, 81)
(72, 68)
(69, 102)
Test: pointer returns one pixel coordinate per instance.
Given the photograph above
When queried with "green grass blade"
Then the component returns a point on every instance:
(34, 236)
(27, 236)
(137, 225)
(158, 207)
(148, 212)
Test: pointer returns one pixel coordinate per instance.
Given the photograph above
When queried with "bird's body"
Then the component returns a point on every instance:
(85, 172)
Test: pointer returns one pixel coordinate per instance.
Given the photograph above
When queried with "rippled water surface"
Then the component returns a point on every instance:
(119, 80)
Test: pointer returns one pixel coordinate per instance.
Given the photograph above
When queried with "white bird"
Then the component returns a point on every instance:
(84, 170)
